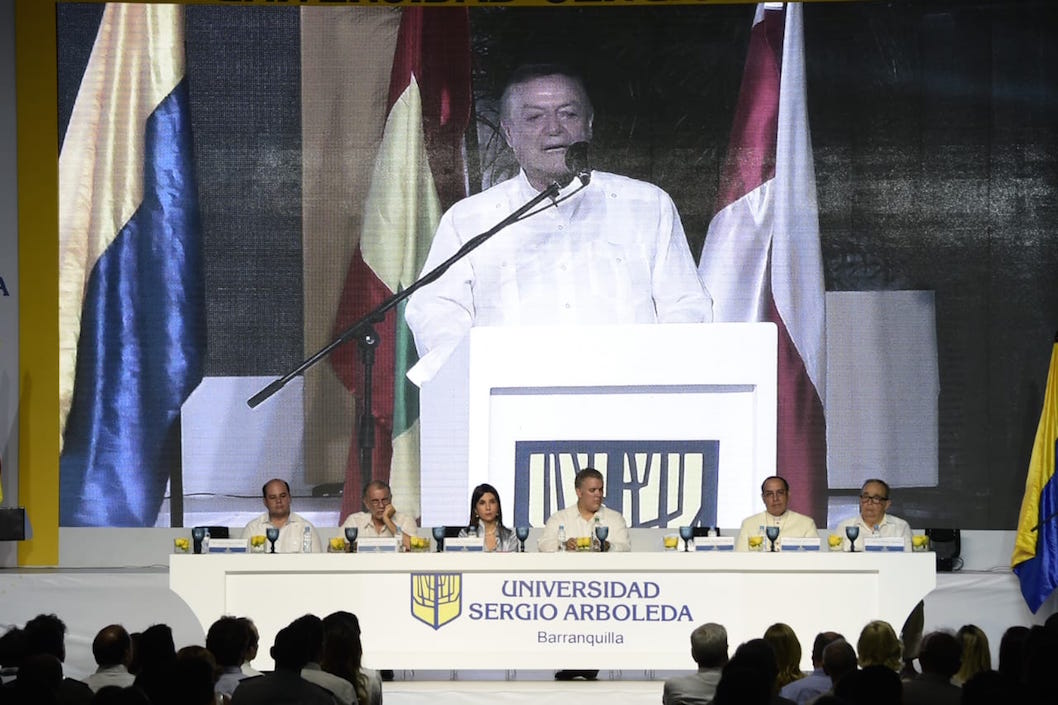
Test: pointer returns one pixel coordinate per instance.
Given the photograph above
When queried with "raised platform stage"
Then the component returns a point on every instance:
(89, 599)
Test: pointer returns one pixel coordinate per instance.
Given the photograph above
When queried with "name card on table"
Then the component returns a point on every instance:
(464, 544)
(227, 545)
(799, 544)
(377, 544)
(891, 543)
(714, 543)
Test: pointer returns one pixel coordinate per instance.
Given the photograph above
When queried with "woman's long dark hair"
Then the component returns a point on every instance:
(479, 492)
(343, 652)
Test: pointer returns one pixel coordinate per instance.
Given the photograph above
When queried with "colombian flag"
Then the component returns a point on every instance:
(1035, 559)
(132, 330)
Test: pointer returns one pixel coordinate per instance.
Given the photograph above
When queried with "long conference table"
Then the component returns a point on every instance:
(548, 611)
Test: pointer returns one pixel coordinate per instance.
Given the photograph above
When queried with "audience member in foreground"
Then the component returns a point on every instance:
(228, 639)
(874, 685)
(751, 673)
(343, 655)
(709, 651)
(308, 629)
(253, 640)
(817, 682)
(839, 660)
(976, 656)
(284, 684)
(939, 657)
(46, 634)
(112, 649)
(879, 646)
(775, 492)
(787, 648)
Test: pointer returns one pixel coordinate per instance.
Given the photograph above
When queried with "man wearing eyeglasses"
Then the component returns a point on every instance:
(291, 525)
(775, 491)
(381, 518)
(873, 520)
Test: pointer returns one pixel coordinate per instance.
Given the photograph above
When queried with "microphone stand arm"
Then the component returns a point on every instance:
(363, 329)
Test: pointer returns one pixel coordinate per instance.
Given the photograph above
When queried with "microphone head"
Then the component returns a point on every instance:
(577, 161)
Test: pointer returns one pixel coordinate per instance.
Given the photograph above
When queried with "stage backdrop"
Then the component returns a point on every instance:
(933, 128)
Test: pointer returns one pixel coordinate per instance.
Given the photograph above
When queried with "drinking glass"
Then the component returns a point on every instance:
(853, 532)
(439, 537)
(351, 532)
(772, 532)
(522, 532)
(601, 532)
(197, 534)
(686, 533)
(272, 533)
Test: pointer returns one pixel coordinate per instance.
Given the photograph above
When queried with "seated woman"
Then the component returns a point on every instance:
(486, 518)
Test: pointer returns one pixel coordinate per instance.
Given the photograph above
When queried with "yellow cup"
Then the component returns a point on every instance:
(672, 542)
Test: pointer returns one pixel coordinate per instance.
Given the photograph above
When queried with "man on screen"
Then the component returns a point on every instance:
(580, 520)
(292, 527)
(873, 520)
(611, 252)
(380, 518)
(775, 492)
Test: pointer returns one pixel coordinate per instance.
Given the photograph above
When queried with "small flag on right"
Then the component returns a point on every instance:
(1035, 559)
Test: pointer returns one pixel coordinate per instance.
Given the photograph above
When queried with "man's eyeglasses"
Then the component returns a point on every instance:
(379, 502)
(872, 499)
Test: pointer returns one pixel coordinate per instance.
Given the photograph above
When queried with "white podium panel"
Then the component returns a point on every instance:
(545, 611)
(680, 419)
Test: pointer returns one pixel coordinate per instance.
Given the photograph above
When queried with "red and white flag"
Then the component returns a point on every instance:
(418, 173)
(762, 259)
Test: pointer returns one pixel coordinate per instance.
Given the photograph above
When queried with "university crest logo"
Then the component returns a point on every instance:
(436, 598)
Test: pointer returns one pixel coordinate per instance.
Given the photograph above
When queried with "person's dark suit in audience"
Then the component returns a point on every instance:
(193, 677)
(991, 688)
(38, 681)
(284, 685)
(46, 634)
(939, 656)
(13, 650)
(758, 655)
(114, 695)
(1012, 653)
(228, 639)
(1041, 655)
(156, 653)
(709, 651)
(743, 682)
(873, 685)
(112, 649)
(817, 682)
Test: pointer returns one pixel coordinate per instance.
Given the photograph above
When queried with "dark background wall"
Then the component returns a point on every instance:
(934, 128)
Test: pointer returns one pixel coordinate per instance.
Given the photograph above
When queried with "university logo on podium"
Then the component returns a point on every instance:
(652, 482)
(436, 598)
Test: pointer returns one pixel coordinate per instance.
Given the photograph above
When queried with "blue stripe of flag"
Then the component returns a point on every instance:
(142, 342)
(1039, 575)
